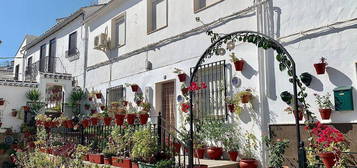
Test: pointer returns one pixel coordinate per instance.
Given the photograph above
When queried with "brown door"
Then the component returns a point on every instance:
(168, 104)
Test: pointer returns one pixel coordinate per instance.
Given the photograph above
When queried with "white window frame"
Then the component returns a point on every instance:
(150, 16)
(196, 4)
(113, 90)
(114, 38)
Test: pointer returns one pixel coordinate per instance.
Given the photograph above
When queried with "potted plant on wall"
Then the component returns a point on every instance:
(119, 110)
(106, 118)
(246, 96)
(2, 101)
(85, 122)
(95, 119)
(238, 64)
(249, 147)
(144, 113)
(321, 66)
(181, 75)
(131, 114)
(14, 112)
(230, 104)
(138, 98)
(108, 152)
(276, 151)
(325, 105)
(98, 94)
(134, 87)
(86, 106)
(290, 110)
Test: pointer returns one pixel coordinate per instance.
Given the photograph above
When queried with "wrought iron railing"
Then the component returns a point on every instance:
(46, 65)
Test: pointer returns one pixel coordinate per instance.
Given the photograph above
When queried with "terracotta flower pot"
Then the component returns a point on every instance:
(134, 88)
(125, 103)
(90, 98)
(119, 119)
(300, 115)
(325, 113)
(87, 107)
(94, 121)
(107, 121)
(26, 108)
(120, 162)
(214, 152)
(182, 77)
(143, 118)
(108, 161)
(248, 163)
(130, 118)
(14, 113)
(85, 123)
(2, 102)
(233, 155)
(239, 65)
(320, 68)
(231, 107)
(328, 159)
(96, 158)
(200, 153)
(102, 108)
(184, 91)
(177, 147)
(86, 157)
(0, 123)
(47, 124)
(246, 98)
(69, 123)
(98, 95)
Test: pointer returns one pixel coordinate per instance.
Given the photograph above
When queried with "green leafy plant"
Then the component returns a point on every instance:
(33, 95)
(324, 101)
(276, 151)
(145, 146)
(165, 164)
(249, 146)
(231, 140)
(233, 57)
(213, 131)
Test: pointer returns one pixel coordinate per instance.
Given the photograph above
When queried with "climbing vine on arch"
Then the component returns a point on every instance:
(220, 45)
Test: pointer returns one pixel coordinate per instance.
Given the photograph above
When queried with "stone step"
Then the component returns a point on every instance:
(213, 163)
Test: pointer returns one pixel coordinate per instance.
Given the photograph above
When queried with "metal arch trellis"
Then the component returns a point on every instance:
(286, 63)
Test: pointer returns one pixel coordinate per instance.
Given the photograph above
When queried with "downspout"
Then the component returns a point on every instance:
(85, 54)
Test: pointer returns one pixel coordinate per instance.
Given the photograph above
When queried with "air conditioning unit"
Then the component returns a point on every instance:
(100, 41)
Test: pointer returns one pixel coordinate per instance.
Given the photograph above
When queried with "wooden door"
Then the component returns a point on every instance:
(168, 104)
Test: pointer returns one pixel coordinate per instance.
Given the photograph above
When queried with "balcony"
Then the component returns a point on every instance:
(46, 65)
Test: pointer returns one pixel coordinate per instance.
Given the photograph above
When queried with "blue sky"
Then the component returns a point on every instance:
(21, 17)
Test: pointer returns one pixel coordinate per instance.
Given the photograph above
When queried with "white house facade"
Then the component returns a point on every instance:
(142, 42)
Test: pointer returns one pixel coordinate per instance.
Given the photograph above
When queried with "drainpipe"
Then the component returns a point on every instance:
(85, 54)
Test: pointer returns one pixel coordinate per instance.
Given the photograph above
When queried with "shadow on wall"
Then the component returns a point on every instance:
(337, 77)
(316, 84)
(249, 71)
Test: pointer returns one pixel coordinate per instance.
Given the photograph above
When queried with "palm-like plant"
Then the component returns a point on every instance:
(33, 95)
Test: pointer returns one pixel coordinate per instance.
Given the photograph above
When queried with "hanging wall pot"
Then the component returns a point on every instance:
(182, 77)
(239, 65)
(306, 78)
(2, 101)
(134, 87)
(321, 67)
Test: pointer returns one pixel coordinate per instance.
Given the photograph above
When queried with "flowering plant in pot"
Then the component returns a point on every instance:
(98, 94)
(238, 63)
(106, 118)
(245, 96)
(95, 119)
(109, 151)
(181, 75)
(131, 114)
(231, 144)
(41, 119)
(138, 98)
(87, 106)
(119, 110)
(85, 122)
(325, 105)
(249, 147)
(61, 120)
(230, 104)
(145, 146)
(276, 151)
(134, 87)
(199, 145)
(144, 113)
(321, 66)
(81, 152)
(290, 110)
(2, 101)
(328, 143)
(14, 112)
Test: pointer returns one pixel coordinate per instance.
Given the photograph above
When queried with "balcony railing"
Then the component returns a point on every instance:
(46, 65)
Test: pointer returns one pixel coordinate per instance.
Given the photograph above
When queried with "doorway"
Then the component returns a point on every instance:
(168, 104)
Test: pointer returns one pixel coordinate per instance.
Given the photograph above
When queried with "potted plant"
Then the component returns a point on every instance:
(238, 64)
(230, 104)
(108, 153)
(106, 118)
(184, 89)
(3, 148)
(181, 75)
(131, 115)
(2, 101)
(211, 131)
(95, 119)
(134, 87)
(145, 148)
(26, 108)
(138, 98)
(246, 96)
(69, 123)
(325, 105)
(87, 106)
(85, 122)
(276, 151)
(144, 113)
(249, 147)
(231, 144)
(14, 112)
(321, 66)
(98, 95)
(329, 144)
(93, 110)
(33, 95)
(81, 152)
(102, 107)
(300, 110)
(119, 110)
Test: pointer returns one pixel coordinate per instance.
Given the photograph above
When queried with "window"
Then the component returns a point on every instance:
(119, 31)
(42, 58)
(115, 94)
(210, 102)
(52, 56)
(29, 66)
(17, 68)
(157, 15)
(203, 4)
(72, 45)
